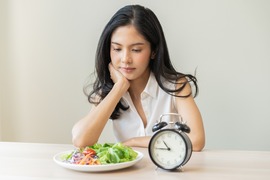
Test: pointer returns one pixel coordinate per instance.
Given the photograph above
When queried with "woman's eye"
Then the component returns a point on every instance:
(117, 49)
(136, 50)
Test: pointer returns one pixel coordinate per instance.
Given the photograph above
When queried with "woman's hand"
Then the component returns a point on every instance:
(118, 77)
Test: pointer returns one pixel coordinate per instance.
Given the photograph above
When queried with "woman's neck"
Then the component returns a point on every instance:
(138, 85)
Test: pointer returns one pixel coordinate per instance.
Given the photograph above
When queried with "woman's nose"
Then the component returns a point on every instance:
(126, 58)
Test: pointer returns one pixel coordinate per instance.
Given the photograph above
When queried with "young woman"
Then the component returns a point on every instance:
(136, 83)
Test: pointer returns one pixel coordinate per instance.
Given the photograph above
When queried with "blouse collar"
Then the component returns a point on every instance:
(151, 86)
(151, 89)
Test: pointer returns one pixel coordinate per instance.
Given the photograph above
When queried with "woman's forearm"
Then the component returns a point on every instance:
(138, 141)
(87, 131)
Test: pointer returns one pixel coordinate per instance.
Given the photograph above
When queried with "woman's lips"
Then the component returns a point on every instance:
(127, 69)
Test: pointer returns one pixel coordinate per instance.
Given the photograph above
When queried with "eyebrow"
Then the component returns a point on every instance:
(134, 44)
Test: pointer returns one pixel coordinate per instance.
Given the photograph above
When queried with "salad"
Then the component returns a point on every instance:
(100, 154)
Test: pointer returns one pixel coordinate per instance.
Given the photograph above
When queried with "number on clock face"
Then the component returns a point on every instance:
(168, 149)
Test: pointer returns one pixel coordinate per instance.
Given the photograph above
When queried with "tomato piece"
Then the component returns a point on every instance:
(90, 151)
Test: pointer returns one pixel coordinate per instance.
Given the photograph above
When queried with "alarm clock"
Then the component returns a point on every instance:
(170, 148)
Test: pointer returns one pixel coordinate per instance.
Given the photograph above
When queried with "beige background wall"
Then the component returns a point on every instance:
(48, 49)
(3, 57)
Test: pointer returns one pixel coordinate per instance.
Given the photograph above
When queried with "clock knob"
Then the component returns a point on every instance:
(159, 126)
(182, 127)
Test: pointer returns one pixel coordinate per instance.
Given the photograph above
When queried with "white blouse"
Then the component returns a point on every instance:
(155, 102)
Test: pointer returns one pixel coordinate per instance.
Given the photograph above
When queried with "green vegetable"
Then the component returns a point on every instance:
(69, 155)
(109, 153)
(66, 156)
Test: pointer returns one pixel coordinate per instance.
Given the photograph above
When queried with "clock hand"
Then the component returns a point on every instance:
(167, 146)
(161, 148)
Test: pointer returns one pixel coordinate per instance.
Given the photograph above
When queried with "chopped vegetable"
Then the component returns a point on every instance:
(107, 153)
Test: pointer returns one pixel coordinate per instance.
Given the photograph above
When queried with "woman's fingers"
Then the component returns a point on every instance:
(117, 76)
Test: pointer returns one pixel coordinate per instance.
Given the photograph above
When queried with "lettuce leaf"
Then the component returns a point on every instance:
(110, 153)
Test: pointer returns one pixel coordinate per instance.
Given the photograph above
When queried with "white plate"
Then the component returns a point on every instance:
(94, 168)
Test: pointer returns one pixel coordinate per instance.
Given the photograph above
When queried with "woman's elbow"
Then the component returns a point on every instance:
(198, 148)
(81, 141)
(77, 142)
(198, 145)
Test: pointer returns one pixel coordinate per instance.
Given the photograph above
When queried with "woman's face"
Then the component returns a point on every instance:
(130, 52)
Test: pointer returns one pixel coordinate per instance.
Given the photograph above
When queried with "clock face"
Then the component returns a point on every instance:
(167, 149)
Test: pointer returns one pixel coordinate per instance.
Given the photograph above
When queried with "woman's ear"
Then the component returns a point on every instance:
(153, 55)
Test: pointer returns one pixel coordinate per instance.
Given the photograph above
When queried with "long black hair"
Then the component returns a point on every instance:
(146, 23)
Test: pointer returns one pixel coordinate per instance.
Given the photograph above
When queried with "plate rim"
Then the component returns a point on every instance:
(96, 168)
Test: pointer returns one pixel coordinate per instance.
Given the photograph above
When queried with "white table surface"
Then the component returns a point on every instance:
(34, 161)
